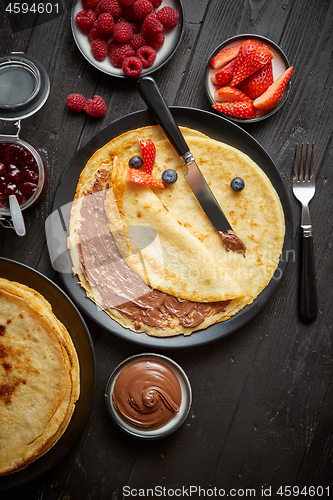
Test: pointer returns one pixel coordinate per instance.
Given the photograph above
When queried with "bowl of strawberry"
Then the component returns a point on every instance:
(248, 78)
(127, 38)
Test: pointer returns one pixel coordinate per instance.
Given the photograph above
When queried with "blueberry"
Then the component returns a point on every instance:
(169, 176)
(135, 162)
(237, 184)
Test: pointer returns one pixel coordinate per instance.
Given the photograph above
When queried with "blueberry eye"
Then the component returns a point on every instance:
(135, 162)
(237, 184)
(169, 176)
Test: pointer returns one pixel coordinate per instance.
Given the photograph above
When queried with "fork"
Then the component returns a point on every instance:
(304, 190)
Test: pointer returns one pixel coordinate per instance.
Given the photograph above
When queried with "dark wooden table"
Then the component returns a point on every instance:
(261, 420)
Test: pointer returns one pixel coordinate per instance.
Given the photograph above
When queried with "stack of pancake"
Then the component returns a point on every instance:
(150, 257)
(39, 377)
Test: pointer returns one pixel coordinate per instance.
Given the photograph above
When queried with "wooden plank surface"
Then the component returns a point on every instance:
(262, 397)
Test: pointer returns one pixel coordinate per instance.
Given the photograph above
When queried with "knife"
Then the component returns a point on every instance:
(156, 104)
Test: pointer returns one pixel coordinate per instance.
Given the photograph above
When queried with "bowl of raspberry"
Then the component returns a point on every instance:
(248, 78)
(127, 38)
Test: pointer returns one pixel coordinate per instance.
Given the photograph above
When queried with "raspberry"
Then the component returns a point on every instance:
(151, 25)
(126, 3)
(120, 19)
(128, 13)
(90, 4)
(138, 40)
(94, 34)
(122, 32)
(85, 19)
(99, 49)
(142, 8)
(132, 66)
(156, 41)
(113, 7)
(95, 107)
(135, 27)
(97, 10)
(118, 52)
(75, 102)
(168, 16)
(156, 3)
(105, 23)
(147, 55)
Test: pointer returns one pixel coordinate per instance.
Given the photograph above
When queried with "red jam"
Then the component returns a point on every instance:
(19, 173)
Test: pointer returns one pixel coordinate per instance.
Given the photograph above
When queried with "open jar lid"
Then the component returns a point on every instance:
(24, 86)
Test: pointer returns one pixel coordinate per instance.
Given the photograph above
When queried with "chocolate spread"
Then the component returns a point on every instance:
(232, 242)
(119, 286)
(147, 394)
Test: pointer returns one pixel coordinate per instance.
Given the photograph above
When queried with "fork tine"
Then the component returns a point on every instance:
(296, 162)
(312, 173)
(301, 168)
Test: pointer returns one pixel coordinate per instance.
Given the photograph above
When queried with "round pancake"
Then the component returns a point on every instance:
(39, 377)
(255, 213)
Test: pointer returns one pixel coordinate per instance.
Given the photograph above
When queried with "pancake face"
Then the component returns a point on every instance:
(164, 240)
(39, 377)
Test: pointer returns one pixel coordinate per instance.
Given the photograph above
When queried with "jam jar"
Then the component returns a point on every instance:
(24, 88)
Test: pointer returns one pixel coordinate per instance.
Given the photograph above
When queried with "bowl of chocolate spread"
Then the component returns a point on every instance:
(148, 396)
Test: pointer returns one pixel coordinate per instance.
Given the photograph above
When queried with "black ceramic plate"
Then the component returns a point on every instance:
(68, 314)
(208, 123)
(172, 40)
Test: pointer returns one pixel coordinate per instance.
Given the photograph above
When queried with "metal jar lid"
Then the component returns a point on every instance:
(24, 86)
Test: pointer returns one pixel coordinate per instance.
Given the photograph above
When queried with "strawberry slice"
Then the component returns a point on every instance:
(252, 63)
(224, 56)
(260, 81)
(224, 75)
(230, 94)
(273, 94)
(148, 152)
(243, 85)
(140, 177)
(246, 48)
(237, 109)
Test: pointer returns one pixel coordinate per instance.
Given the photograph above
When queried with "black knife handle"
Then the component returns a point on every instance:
(308, 290)
(156, 104)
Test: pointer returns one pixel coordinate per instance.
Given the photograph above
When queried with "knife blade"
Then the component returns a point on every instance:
(156, 104)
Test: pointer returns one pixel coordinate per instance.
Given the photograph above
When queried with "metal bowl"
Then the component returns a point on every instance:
(172, 424)
(280, 64)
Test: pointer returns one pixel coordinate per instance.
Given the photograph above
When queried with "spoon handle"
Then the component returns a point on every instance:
(16, 214)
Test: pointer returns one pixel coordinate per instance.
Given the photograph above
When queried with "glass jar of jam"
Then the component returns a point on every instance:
(24, 88)
(22, 173)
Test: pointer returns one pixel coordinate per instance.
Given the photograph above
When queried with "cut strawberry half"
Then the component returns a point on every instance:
(273, 94)
(148, 152)
(224, 56)
(237, 109)
(230, 94)
(224, 75)
(245, 50)
(140, 177)
(252, 63)
(260, 81)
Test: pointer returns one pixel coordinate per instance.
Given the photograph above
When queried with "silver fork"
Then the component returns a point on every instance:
(304, 190)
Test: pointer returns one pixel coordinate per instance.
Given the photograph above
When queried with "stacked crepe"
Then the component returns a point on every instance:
(165, 244)
(39, 377)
